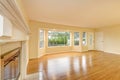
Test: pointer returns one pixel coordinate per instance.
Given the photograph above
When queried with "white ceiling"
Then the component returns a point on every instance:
(81, 13)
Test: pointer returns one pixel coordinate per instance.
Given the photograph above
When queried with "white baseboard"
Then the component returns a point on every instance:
(112, 52)
(42, 55)
(58, 52)
(76, 51)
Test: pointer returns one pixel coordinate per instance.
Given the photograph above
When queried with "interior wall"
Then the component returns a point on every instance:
(35, 26)
(111, 39)
(91, 41)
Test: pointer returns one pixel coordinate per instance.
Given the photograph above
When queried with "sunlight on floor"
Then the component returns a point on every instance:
(35, 76)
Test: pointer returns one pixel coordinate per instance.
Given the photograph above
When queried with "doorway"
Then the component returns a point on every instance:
(99, 41)
(90, 41)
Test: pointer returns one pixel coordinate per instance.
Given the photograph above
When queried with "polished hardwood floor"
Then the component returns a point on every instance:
(92, 65)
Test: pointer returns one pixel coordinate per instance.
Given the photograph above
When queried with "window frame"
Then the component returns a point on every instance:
(56, 30)
(74, 39)
(84, 38)
(43, 39)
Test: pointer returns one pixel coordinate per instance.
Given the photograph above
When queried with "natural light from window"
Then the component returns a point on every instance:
(58, 38)
(41, 38)
(84, 39)
(76, 38)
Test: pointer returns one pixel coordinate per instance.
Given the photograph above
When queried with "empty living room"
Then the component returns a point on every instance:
(59, 40)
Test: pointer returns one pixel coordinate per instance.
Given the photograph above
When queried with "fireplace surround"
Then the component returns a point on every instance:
(11, 64)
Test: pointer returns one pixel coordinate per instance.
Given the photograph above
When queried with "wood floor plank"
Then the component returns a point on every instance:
(92, 65)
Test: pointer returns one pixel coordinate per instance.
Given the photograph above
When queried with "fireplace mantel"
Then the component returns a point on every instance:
(9, 47)
(11, 61)
(11, 10)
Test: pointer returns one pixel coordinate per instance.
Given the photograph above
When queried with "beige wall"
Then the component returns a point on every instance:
(111, 39)
(35, 51)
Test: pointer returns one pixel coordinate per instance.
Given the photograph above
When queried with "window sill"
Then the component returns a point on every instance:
(58, 46)
(77, 46)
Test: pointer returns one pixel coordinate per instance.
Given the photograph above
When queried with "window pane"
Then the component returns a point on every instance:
(91, 40)
(84, 41)
(76, 38)
(41, 38)
(58, 38)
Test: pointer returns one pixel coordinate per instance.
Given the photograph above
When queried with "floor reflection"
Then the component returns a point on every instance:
(74, 66)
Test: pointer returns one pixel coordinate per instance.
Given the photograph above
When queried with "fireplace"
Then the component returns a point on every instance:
(11, 64)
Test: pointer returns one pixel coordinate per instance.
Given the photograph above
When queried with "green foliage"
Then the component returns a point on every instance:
(58, 38)
(76, 42)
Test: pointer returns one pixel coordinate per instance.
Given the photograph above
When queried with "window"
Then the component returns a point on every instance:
(84, 41)
(58, 38)
(76, 38)
(41, 38)
(91, 40)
